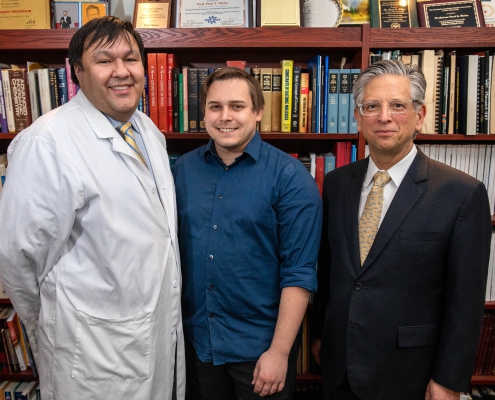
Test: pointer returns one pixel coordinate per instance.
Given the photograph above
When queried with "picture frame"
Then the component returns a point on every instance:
(322, 13)
(69, 20)
(450, 13)
(91, 10)
(355, 12)
(202, 14)
(393, 14)
(150, 14)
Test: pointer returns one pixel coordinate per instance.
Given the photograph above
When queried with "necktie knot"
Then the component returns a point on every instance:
(125, 128)
(381, 178)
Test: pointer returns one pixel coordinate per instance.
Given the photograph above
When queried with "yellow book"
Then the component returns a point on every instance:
(287, 67)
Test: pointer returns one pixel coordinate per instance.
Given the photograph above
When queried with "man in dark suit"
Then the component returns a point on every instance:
(402, 276)
(65, 21)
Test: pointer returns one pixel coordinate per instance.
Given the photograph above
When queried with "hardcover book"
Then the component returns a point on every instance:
(266, 87)
(344, 101)
(286, 112)
(20, 98)
(276, 99)
(296, 87)
(162, 76)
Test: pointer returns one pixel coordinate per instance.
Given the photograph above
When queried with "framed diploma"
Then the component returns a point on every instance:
(212, 14)
(322, 13)
(152, 13)
(450, 14)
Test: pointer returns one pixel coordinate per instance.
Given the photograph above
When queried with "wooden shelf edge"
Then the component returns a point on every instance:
(309, 379)
(26, 375)
(454, 137)
(489, 305)
(483, 380)
(271, 135)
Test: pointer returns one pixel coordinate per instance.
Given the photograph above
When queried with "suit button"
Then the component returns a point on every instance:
(358, 286)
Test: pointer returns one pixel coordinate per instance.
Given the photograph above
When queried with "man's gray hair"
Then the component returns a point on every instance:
(392, 67)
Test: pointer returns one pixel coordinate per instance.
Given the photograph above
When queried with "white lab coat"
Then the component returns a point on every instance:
(88, 250)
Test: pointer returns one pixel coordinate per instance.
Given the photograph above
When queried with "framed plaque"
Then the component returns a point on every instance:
(322, 13)
(450, 14)
(212, 14)
(152, 13)
(393, 14)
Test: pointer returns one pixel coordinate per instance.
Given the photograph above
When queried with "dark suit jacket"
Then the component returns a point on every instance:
(413, 311)
(65, 24)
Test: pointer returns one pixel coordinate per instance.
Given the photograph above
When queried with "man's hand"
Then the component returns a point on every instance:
(270, 372)
(315, 350)
(434, 391)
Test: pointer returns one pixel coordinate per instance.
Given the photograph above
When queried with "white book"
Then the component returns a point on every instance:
(454, 162)
(442, 150)
(491, 179)
(428, 66)
(312, 156)
(44, 88)
(448, 154)
(472, 94)
(9, 107)
(33, 94)
(473, 159)
(426, 149)
(433, 152)
(481, 162)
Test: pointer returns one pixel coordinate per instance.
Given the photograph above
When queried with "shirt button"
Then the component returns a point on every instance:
(153, 190)
(210, 287)
(226, 168)
(215, 227)
(176, 283)
(221, 196)
(212, 315)
(211, 257)
(358, 286)
(173, 329)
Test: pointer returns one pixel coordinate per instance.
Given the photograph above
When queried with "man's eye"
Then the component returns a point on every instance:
(372, 106)
(397, 105)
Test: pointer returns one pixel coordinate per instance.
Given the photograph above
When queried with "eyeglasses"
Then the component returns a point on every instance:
(373, 108)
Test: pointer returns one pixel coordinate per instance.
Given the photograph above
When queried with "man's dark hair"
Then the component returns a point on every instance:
(102, 31)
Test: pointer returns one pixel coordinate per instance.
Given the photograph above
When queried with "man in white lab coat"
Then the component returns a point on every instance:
(88, 244)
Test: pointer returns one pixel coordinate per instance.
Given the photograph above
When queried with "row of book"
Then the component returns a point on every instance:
(27, 93)
(477, 160)
(485, 358)
(460, 92)
(20, 390)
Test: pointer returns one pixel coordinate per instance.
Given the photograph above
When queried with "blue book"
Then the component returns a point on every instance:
(325, 94)
(344, 101)
(329, 160)
(63, 92)
(315, 67)
(353, 152)
(352, 120)
(333, 100)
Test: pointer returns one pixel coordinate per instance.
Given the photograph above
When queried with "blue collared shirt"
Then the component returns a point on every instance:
(246, 231)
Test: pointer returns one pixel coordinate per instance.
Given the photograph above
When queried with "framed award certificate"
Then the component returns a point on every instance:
(152, 13)
(450, 14)
(212, 14)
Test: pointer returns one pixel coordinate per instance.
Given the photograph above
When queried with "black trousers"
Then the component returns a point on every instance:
(232, 381)
(343, 392)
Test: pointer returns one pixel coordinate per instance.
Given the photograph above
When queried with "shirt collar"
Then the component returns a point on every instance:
(396, 172)
(116, 123)
(252, 149)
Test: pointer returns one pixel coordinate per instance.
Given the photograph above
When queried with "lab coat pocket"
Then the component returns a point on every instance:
(112, 349)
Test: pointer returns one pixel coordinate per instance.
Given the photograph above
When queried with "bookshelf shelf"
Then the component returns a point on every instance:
(26, 375)
(455, 138)
(483, 380)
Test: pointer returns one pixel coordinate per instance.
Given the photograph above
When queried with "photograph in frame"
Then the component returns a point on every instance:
(65, 15)
(91, 10)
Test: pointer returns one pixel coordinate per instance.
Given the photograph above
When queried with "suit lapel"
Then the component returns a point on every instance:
(352, 198)
(410, 191)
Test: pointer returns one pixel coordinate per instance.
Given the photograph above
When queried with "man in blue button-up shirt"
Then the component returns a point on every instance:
(249, 232)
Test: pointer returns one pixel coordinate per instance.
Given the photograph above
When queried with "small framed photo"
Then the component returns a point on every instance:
(65, 15)
(92, 10)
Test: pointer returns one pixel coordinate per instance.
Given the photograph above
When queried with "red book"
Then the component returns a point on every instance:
(320, 173)
(171, 64)
(342, 152)
(152, 87)
(162, 73)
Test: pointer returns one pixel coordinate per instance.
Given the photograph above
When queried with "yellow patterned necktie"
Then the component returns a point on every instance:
(368, 223)
(126, 129)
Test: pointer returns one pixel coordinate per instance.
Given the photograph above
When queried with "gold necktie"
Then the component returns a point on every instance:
(368, 223)
(126, 129)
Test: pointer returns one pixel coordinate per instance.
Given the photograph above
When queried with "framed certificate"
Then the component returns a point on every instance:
(450, 14)
(322, 13)
(213, 14)
(396, 13)
(152, 13)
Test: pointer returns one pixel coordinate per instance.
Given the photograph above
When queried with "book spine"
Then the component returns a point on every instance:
(63, 93)
(161, 67)
(296, 87)
(303, 103)
(34, 100)
(181, 104)
(344, 98)
(325, 94)
(8, 101)
(314, 100)
(175, 99)
(266, 87)
(3, 112)
(14, 362)
(152, 87)
(285, 116)
(71, 86)
(193, 88)
(185, 99)
(276, 99)
(171, 64)
(20, 98)
(52, 73)
(352, 119)
(202, 75)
